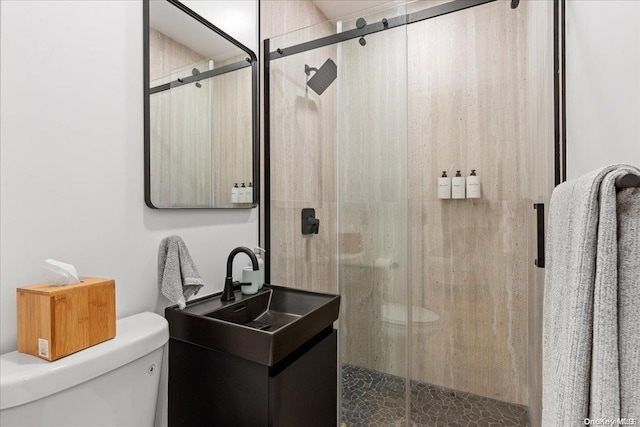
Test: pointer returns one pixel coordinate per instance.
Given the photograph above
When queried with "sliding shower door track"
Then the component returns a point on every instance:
(384, 24)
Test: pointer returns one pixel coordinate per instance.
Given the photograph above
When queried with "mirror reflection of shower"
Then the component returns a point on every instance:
(323, 77)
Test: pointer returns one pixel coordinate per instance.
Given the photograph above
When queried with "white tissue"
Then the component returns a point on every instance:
(59, 273)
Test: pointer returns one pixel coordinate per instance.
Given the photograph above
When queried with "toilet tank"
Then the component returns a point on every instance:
(110, 384)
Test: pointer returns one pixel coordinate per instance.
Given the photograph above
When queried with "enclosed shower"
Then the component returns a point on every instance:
(439, 319)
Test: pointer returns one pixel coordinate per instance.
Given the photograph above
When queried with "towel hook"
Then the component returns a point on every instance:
(627, 181)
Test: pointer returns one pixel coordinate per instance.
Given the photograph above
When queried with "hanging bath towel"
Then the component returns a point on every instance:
(178, 276)
(591, 348)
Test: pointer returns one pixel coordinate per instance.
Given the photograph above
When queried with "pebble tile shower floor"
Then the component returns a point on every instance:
(376, 399)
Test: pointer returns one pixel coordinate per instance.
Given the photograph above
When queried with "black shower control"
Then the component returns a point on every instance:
(310, 224)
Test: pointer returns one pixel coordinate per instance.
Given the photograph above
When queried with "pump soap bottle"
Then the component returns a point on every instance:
(473, 185)
(243, 193)
(235, 194)
(458, 186)
(259, 251)
(249, 196)
(444, 186)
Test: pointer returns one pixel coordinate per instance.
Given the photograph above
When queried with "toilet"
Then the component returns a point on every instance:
(114, 383)
(394, 317)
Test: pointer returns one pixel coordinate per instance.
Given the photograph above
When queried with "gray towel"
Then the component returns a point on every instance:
(629, 301)
(178, 276)
(586, 312)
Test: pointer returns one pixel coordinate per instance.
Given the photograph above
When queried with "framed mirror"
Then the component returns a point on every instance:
(201, 112)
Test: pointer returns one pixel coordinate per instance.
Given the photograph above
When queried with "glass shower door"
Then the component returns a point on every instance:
(372, 225)
(338, 144)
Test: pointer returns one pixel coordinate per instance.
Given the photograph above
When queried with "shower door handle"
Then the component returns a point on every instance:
(539, 207)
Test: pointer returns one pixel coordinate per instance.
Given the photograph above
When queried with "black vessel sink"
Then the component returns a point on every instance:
(263, 328)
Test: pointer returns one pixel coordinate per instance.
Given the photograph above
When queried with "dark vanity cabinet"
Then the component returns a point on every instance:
(268, 359)
(212, 388)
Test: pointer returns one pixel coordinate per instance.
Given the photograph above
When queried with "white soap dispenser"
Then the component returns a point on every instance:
(444, 186)
(243, 193)
(458, 186)
(258, 251)
(235, 194)
(473, 185)
(249, 197)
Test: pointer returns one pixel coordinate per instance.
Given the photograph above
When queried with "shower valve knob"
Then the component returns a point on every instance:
(310, 224)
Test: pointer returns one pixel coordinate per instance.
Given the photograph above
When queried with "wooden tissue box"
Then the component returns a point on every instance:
(55, 321)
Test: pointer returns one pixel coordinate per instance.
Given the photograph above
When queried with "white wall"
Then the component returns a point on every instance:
(71, 153)
(603, 84)
(238, 18)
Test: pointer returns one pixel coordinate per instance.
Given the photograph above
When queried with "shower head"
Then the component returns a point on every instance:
(323, 77)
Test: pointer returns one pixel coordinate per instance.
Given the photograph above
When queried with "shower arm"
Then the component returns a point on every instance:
(308, 70)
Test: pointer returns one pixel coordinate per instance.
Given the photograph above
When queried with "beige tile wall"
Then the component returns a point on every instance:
(279, 17)
(303, 157)
(469, 258)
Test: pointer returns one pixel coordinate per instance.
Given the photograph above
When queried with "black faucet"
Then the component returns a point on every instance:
(227, 293)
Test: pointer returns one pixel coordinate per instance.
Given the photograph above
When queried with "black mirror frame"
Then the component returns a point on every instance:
(255, 131)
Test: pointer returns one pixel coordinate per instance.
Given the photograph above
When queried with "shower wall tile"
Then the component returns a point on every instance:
(279, 17)
(373, 330)
(303, 261)
(475, 279)
(282, 17)
(303, 132)
(469, 259)
(372, 142)
(373, 320)
(466, 80)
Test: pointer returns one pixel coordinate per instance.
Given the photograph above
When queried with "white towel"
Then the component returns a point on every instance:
(581, 365)
(178, 276)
